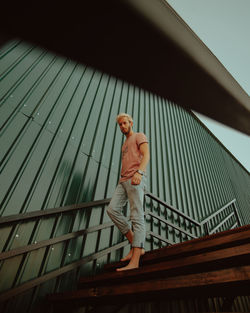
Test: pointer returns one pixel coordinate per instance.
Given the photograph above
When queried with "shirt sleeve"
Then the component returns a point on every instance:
(141, 138)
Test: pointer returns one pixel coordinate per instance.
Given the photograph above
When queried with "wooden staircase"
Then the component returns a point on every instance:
(215, 265)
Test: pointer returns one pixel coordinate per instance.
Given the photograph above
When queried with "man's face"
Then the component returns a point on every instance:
(125, 125)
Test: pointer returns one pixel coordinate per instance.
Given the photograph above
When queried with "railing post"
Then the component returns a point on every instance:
(236, 213)
(206, 231)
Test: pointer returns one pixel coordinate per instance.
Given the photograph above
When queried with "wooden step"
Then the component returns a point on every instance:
(213, 242)
(224, 282)
(207, 261)
(214, 265)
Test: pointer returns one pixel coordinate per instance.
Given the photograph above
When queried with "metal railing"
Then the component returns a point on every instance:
(203, 228)
(14, 220)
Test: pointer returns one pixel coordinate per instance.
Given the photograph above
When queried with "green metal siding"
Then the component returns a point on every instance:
(60, 145)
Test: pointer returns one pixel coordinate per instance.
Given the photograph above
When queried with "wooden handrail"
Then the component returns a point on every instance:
(40, 280)
(38, 214)
(52, 241)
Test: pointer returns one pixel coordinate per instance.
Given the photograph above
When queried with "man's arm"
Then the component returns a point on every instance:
(144, 149)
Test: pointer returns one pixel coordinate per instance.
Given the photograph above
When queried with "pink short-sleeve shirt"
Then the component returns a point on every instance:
(131, 155)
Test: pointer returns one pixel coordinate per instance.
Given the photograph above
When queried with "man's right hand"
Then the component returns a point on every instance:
(136, 179)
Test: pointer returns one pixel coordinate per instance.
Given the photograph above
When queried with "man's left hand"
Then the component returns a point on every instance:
(136, 179)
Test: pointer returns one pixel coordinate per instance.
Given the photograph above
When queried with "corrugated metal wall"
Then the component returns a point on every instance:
(60, 145)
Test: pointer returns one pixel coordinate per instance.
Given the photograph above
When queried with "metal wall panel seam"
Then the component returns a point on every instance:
(224, 176)
(14, 88)
(200, 163)
(213, 168)
(209, 160)
(51, 85)
(175, 184)
(166, 195)
(134, 106)
(112, 115)
(22, 102)
(164, 173)
(154, 164)
(157, 146)
(189, 182)
(42, 165)
(158, 162)
(18, 79)
(99, 166)
(68, 139)
(181, 201)
(221, 184)
(67, 144)
(31, 149)
(181, 161)
(202, 138)
(244, 186)
(140, 111)
(171, 157)
(98, 115)
(167, 149)
(18, 60)
(147, 106)
(100, 125)
(227, 172)
(185, 166)
(207, 196)
(197, 169)
(218, 178)
(191, 164)
(8, 47)
(163, 159)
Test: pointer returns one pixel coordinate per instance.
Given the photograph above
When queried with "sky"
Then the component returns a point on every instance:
(223, 25)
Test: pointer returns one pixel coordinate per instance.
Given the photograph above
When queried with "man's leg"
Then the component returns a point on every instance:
(130, 237)
(136, 197)
(114, 211)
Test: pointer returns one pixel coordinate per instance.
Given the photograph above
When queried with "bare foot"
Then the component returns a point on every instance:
(129, 255)
(134, 261)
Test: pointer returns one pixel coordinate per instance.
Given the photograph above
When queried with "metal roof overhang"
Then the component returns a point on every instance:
(143, 42)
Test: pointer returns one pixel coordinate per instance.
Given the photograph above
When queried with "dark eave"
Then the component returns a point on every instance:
(143, 42)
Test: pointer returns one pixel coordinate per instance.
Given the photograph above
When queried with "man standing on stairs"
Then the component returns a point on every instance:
(135, 157)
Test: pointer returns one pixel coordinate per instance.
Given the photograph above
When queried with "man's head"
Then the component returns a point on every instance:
(125, 123)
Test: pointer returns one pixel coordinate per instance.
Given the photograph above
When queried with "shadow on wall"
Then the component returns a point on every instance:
(75, 186)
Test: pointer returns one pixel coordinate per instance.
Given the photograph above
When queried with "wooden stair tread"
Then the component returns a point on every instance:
(207, 243)
(214, 265)
(233, 281)
(233, 256)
